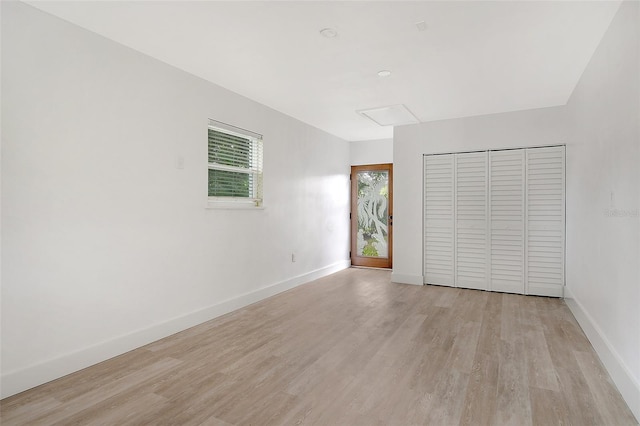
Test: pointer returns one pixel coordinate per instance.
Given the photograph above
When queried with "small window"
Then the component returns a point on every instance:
(235, 166)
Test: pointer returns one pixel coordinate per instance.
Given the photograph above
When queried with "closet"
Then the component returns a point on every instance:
(494, 220)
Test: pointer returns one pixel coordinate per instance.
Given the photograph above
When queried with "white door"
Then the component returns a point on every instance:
(545, 221)
(438, 219)
(495, 221)
(506, 192)
(471, 253)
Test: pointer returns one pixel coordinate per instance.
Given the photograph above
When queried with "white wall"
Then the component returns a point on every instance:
(510, 130)
(378, 151)
(106, 244)
(601, 128)
(603, 201)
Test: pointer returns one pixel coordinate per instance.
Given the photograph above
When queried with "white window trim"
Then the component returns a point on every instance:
(235, 203)
(224, 203)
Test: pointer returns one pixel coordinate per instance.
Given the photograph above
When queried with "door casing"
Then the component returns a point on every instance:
(372, 262)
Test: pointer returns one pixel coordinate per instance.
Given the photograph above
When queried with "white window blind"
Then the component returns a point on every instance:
(235, 165)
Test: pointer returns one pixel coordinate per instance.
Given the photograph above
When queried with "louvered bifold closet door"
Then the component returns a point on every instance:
(438, 219)
(506, 192)
(545, 221)
(471, 221)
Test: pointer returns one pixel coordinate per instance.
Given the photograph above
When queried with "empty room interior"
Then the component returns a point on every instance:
(334, 212)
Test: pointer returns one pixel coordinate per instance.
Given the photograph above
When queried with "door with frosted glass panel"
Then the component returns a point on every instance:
(371, 215)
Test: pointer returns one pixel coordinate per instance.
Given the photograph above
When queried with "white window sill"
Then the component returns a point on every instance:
(232, 205)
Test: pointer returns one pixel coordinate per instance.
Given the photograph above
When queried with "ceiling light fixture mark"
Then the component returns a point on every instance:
(384, 73)
(328, 33)
(421, 26)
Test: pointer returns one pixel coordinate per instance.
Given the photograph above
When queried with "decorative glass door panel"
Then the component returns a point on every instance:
(371, 215)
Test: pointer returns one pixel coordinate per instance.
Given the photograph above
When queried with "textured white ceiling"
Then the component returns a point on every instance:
(474, 58)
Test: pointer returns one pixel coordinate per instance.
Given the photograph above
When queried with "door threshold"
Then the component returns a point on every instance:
(370, 267)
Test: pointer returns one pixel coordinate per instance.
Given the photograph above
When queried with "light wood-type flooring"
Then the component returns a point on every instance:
(349, 349)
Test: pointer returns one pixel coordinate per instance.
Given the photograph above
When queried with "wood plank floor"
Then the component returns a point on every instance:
(349, 349)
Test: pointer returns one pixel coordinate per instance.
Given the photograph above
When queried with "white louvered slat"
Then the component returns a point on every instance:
(506, 192)
(438, 219)
(545, 221)
(471, 220)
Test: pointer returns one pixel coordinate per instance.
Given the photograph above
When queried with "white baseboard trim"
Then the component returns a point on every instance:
(407, 279)
(17, 381)
(620, 374)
